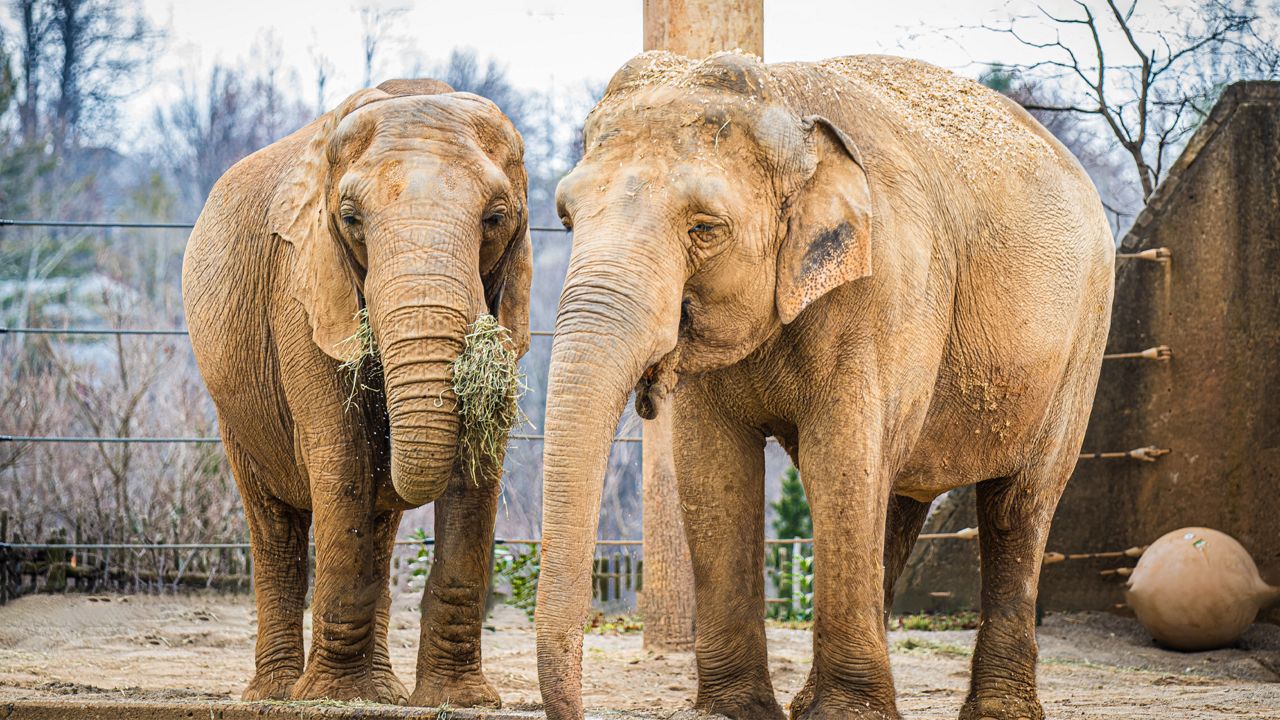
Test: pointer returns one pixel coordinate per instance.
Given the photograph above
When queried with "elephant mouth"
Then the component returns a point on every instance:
(656, 382)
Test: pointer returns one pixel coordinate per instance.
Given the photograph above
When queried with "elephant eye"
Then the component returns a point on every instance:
(706, 233)
(350, 220)
(495, 218)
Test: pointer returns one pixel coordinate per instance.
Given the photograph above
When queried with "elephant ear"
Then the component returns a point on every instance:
(513, 301)
(828, 240)
(323, 280)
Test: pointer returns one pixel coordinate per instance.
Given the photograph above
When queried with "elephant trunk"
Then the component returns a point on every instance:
(420, 305)
(619, 314)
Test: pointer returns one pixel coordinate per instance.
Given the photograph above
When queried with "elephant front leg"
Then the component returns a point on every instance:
(848, 495)
(453, 605)
(901, 529)
(351, 578)
(720, 474)
(384, 677)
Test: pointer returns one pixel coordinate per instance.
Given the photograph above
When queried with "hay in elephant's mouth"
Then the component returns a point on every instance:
(364, 357)
(487, 381)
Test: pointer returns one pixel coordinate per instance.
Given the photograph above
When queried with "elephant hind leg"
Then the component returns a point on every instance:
(902, 526)
(278, 535)
(1013, 522)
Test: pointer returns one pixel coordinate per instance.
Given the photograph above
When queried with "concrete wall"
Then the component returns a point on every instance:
(1215, 405)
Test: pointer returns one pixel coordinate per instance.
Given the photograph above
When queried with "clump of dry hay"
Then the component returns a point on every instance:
(487, 381)
(364, 356)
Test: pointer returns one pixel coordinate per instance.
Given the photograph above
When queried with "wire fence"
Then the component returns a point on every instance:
(617, 574)
(59, 565)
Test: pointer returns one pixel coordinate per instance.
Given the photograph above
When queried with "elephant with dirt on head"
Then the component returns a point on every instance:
(894, 271)
(406, 205)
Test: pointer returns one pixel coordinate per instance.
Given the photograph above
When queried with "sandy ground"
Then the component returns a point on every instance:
(201, 648)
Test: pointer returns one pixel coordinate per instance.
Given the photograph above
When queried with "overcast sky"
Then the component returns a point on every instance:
(547, 43)
(542, 41)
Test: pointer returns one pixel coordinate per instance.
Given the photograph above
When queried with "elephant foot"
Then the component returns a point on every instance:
(802, 701)
(756, 706)
(274, 685)
(809, 705)
(389, 686)
(470, 690)
(1002, 708)
(326, 685)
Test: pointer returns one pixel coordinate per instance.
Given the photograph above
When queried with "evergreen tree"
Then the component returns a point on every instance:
(792, 509)
(792, 569)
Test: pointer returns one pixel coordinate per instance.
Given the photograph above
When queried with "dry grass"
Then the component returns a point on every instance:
(487, 381)
(366, 350)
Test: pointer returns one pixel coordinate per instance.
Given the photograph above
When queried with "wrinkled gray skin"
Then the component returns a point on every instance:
(410, 200)
(897, 273)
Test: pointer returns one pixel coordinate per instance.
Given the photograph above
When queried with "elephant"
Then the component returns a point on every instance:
(407, 205)
(895, 272)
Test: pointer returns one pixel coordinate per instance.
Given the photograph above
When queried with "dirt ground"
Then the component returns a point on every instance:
(200, 648)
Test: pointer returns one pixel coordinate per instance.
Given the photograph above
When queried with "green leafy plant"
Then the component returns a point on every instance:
(798, 577)
(520, 570)
(420, 566)
(600, 624)
(962, 620)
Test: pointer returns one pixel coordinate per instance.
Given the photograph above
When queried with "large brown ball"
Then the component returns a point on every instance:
(1197, 589)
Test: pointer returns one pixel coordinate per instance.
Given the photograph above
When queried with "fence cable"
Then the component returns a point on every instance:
(141, 331)
(11, 222)
(212, 440)
(1159, 352)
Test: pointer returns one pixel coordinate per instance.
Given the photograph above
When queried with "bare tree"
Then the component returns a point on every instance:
(323, 72)
(1154, 91)
(102, 45)
(375, 28)
(210, 127)
(35, 21)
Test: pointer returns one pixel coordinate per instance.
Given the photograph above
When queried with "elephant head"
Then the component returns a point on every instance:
(706, 214)
(412, 207)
